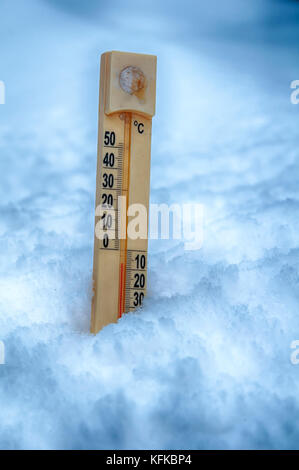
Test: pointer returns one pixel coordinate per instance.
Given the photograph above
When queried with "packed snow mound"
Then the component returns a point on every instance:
(206, 362)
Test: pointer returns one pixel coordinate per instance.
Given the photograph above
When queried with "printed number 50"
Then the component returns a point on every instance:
(109, 138)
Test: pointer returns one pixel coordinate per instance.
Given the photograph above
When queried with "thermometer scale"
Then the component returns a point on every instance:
(126, 108)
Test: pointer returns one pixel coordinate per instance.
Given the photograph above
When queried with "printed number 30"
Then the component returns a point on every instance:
(139, 296)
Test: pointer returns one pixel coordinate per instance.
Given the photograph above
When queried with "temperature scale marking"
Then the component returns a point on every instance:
(127, 105)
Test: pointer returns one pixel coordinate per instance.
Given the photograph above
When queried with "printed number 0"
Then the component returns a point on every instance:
(106, 240)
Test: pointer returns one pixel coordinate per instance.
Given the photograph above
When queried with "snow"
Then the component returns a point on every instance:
(206, 363)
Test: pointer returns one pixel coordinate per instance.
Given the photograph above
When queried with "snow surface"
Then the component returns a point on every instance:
(206, 363)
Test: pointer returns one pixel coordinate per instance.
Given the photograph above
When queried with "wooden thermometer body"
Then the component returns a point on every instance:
(126, 108)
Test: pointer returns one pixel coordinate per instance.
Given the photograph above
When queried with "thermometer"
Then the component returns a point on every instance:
(126, 108)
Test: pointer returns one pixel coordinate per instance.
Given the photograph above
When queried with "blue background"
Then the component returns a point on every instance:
(206, 363)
